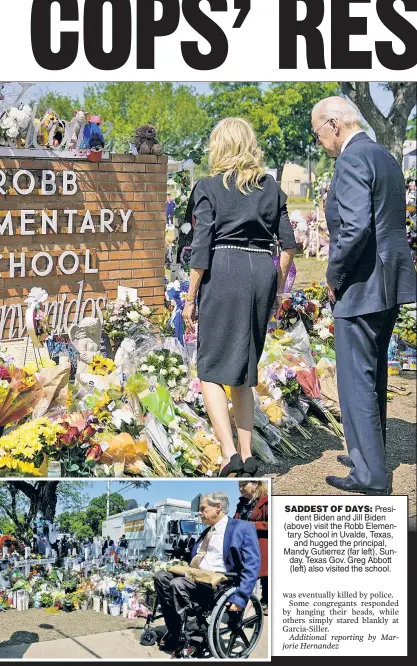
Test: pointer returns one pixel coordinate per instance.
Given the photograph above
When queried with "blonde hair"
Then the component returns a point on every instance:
(234, 152)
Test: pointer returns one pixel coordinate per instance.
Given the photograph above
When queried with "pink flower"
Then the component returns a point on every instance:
(195, 385)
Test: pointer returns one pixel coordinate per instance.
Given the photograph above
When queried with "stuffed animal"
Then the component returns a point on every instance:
(50, 120)
(80, 118)
(146, 142)
(93, 136)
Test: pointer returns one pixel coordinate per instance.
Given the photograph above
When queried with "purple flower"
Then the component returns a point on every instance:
(290, 373)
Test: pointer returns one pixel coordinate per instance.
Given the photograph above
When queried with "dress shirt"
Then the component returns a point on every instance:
(213, 560)
(345, 144)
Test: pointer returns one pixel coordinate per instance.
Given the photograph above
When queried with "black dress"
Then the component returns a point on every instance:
(238, 288)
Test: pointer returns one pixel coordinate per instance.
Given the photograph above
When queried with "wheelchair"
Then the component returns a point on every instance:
(216, 631)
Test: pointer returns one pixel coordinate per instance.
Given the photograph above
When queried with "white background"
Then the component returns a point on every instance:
(253, 49)
(395, 582)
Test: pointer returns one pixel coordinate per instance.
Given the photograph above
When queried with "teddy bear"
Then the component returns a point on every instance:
(146, 142)
(79, 120)
(50, 120)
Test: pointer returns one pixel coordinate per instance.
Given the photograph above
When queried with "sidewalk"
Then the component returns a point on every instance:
(110, 645)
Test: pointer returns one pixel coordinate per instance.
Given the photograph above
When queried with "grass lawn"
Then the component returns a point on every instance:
(308, 271)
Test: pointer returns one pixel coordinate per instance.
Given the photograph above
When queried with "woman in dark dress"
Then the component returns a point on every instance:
(238, 211)
(253, 506)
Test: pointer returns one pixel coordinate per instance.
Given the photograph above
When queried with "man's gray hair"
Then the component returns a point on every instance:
(218, 498)
(338, 108)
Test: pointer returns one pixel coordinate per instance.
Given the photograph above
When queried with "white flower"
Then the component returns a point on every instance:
(133, 316)
(145, 311)
(324, 334)
(144, 368)
(36, 296)
(172, 383)
(175, 372)
(12, 132)
(195, 462)
(173, 360)
(161, 358)
(163, 372)
(327, 321)
(177, 285)
(183, 368)
(120, 416)
(219, 460)
(151, 368)
(184, 381)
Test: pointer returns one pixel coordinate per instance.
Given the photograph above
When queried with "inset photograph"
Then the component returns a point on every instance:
(134, 570)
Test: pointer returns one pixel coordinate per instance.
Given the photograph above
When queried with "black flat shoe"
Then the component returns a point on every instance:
(250, 467)
(235, 466)
(345, 460)
(351, 487)
(168, 642)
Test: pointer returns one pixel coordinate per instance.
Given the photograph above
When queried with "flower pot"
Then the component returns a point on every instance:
(68, 607)
(105, 607)
(97, 604)
(114, 609)
(84, 605)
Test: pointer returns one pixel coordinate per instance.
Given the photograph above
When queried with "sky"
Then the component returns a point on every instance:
(159, 490)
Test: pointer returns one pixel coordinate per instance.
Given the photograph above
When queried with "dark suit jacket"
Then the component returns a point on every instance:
(370, 261)
(241, 555)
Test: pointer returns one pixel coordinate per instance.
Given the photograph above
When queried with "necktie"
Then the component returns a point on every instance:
(196, 561)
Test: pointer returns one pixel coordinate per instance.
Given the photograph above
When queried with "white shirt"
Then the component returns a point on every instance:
(214, 561)
(349, 138)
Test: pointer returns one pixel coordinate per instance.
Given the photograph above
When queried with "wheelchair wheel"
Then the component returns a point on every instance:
(235, 635)
(148, 637)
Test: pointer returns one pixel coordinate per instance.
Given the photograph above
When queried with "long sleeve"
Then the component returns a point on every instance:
(203, 239)
(354, 199)
(251, 564)
(285, 231)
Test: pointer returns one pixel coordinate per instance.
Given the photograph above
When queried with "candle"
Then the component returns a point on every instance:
(5, 551)
(27, 552)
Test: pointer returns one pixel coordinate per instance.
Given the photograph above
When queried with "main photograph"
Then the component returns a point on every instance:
(210, 280)
(134, 569)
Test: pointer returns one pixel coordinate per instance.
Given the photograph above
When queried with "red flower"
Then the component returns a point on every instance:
(88, 432)
(5, 374)
(331, 328)
(310, 307)
(286, 305)
(94, 453)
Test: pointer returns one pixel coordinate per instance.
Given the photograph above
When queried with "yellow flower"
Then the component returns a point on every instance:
(31, 438)
(32, 367)
(101, 366)
(28, 469)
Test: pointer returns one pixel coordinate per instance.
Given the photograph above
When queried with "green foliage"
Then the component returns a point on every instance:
(87, 523)
(280, 114)
(63, 105)
(412, 129)
(175, 111)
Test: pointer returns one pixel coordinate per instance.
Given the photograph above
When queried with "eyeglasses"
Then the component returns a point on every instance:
(316, 134)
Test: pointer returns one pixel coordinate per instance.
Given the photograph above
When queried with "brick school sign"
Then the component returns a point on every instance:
(79, 229)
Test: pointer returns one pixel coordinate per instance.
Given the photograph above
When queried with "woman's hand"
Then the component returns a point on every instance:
(189, 315)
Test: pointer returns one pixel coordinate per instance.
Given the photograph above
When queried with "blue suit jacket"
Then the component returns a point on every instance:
(370, 261)
(241, 555)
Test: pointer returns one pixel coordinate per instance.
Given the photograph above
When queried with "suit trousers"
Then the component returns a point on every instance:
(176, 594)
(362, 378)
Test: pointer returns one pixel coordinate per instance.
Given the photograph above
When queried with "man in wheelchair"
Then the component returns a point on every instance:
(230, 547)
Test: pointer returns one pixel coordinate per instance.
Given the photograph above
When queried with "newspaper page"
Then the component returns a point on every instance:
(208, 251)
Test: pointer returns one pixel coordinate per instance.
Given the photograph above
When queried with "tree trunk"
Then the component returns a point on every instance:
(390, 130)
(42, 496)
(280, 170)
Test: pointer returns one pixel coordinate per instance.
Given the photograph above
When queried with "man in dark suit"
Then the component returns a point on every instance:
(370, 274)
(227, 545)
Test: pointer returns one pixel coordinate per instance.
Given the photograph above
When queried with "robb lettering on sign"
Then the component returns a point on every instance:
(27, 222)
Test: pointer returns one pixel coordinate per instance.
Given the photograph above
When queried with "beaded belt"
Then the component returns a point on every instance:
(244, 249)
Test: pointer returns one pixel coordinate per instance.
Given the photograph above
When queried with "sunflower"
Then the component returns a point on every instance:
(11, 467)
(101, 365)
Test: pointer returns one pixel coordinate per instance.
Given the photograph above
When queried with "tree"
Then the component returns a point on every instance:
(63, 105)
(280, 115)
(23, 501)
(390, 129)
(175, 111)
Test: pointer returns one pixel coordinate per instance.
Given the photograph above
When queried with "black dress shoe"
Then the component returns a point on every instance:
(345, 460)
(168, 641)
(250, 468)
(351, 487)
(235, 467)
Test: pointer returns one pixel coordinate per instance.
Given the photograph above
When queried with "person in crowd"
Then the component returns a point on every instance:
(123, 542)
(185, 548)
(107, 545)
(253, 506)
(370, 274)
(227, 545)
(170, 210)
(238, 210)
(64, 546)
(176, 548)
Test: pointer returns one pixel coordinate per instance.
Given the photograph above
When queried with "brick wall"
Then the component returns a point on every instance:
(133, 259)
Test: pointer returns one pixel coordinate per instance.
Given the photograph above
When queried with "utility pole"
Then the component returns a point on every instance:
(108, 499)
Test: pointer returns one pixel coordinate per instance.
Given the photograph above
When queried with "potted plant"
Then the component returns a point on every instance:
(83, 601)
(68, 605)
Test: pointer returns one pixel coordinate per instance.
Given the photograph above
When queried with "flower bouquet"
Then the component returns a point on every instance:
(165, 366)
(32, 441)
(122, 317)
(19, 393)
(296, 307)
